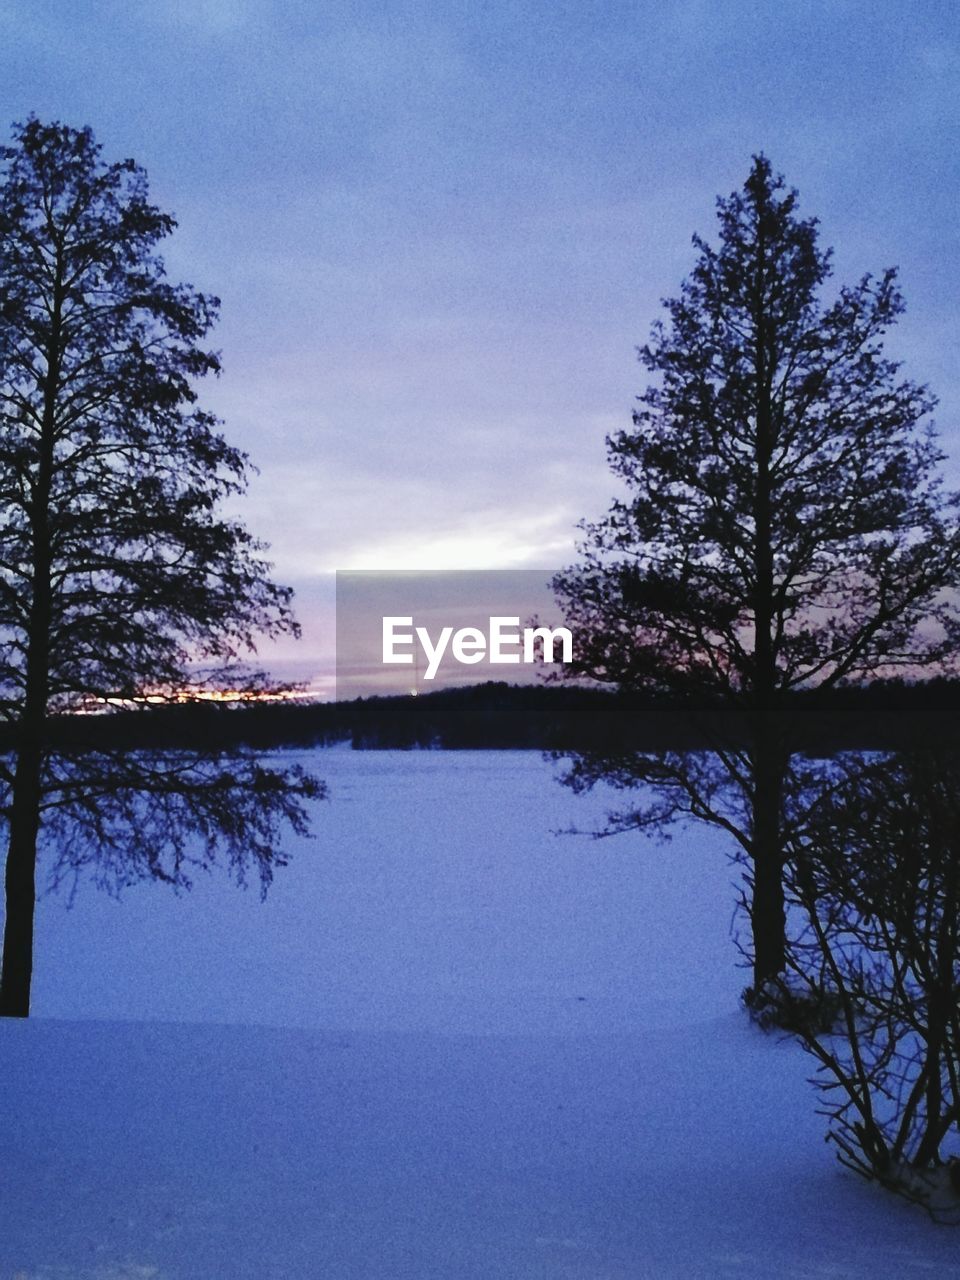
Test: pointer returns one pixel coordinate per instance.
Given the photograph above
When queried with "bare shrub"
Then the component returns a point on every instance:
(875, 891)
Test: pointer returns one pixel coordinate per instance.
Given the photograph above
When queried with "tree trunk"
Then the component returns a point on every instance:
(767, 912)
(21, 869)
(767, 908)
(21, 886)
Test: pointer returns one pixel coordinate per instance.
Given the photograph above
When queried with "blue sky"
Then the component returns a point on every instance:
(440, 230)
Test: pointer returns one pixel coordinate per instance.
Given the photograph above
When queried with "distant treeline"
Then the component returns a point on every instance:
(882, 715)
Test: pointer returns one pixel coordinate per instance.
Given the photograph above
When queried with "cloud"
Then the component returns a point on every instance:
(200, 17)
(538, 540)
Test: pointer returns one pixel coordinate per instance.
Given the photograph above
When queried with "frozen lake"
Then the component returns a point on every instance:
(451, 1045)
(436, 895)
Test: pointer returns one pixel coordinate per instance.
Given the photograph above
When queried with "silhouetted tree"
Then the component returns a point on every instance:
(119, 576)
(783, 528)
(875, 889)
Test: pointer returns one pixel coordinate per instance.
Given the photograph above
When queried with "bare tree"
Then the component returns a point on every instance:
(119, 575)
(875, 891)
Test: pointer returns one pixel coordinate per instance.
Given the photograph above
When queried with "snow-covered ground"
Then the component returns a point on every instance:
(449, 1044)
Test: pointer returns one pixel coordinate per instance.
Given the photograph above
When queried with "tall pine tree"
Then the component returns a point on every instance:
(119, 575)
(784, 527)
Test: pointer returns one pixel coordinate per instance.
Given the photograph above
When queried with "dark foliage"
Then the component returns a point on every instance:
(118, 572)
(875, 889)
(783, 526)
(881, 716)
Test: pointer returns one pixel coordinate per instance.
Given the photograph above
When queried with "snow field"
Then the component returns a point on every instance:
(450, 1044)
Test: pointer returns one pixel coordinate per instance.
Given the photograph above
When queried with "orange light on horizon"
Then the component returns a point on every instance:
(186, 696)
